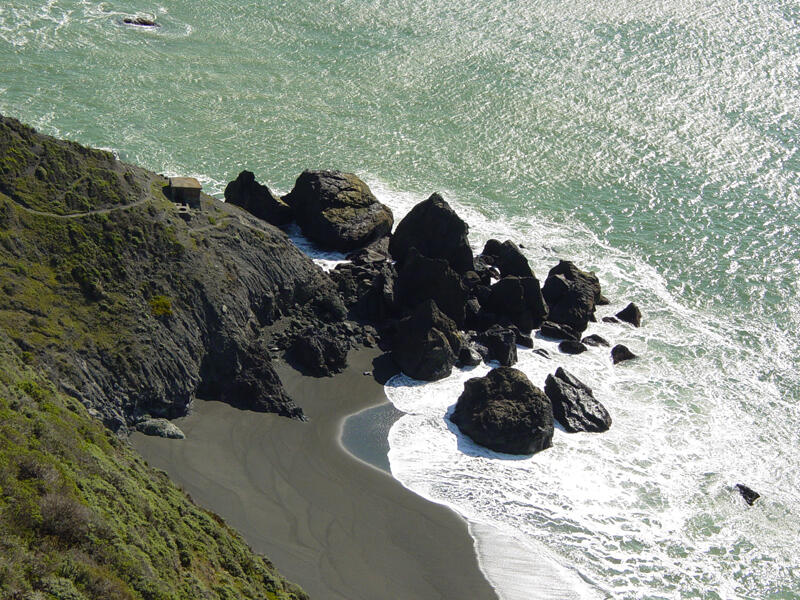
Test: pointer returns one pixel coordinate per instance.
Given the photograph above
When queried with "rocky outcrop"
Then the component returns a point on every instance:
(558, 331)
(433, 228)
(518, 299)
(505, 412)
(421, 278)
(318, 352)
(571, 295)
(368, 289)
(337, 210)
(160, 428)
(630, 314)
(427, 343)
(574, 404)
(507, 258)
(257, 199)
(620, 353)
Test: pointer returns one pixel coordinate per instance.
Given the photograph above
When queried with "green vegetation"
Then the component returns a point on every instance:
(82, 517)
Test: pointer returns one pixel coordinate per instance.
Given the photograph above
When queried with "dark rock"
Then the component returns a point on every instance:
(469, 356)
(610, 320)
(377, 251)
(571, 295)
(318, 353)
(557, 331)
(571, 347)
(427, 343)
(140, 21)
(505, 412)
(595, 340)
(620, 353)
(502, 344)
(507, 258)
(433, 228)
(160, 428)
(574, 404)
(519, 299)
(337, 210)
(368, 289)
(485, 271)
(421, 278)
(542, 352)
(749, 495)
(630, 314)
(522, 339)
(257, 199)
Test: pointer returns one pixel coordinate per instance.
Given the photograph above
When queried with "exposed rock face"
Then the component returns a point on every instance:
(519, 299)
(571, 347)
(433, 228)
(630, 314)
(507, 258)
(574, 404)
(427, 343)
(505, 412)
(501, 344)
(368, 289)
(421, 278)
(571, 295)
(337, 210)
(258, 200)
(318, 353)
(620, 353)
(160, 428)
(558, 331)
(749, 495)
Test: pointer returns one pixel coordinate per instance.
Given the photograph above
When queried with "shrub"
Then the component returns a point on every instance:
(64, 517)
(160, 306)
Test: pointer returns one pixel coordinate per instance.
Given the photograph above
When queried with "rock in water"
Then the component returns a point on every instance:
(318, 353)
(257, 199)
(337, 210)
(620, 353)
(519, 299)
(433, 228)
(160, 428)
(749, 495)
(507, 258)
(427, 343)
(571, 347)
(630, 314)
(558, 331)
(574, 404)
(501, 343)
(571, 295)
(140, 21)
(595, 340)
(505, 412)
(421, 278)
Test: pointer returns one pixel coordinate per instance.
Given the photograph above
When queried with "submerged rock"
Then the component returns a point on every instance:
(337, 210)
(427, 343)
(620, 353)
(257, 199)
(630, 314)
(505, 412)
(160, 428)
(433, 228)
(140, 21)
(574, 404)
(749, 495)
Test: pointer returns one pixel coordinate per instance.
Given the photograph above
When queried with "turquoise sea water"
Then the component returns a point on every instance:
(655, 143)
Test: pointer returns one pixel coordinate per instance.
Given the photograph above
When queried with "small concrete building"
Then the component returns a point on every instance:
(185, 190)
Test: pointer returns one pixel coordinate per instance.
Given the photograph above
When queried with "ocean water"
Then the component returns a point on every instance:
(654, 143)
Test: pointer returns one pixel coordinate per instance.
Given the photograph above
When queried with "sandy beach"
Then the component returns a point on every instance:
(337, 526)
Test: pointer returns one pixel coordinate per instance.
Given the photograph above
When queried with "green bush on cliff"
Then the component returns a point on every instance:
(82, 517)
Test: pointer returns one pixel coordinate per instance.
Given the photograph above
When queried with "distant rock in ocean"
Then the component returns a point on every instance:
(140, 21)
(749, 494)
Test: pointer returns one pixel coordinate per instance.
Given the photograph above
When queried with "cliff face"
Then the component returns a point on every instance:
(132, 306)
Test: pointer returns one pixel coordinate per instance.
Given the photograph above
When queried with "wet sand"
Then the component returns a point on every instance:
(339, 527)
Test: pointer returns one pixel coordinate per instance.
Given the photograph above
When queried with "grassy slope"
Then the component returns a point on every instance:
(81, 515)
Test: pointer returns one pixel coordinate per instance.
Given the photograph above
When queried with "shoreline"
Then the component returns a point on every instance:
(338, 526)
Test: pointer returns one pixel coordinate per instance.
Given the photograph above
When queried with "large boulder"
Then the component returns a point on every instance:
(433, 228)
(337, 210)
(519, 299)
(630, 314)
(505, 412)
(257, 199)
(318, 353)
(160, 428)
(571, 295)
(574, 404)
(507, 258)
(620, 353)
(427, 343)
(421, 278)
